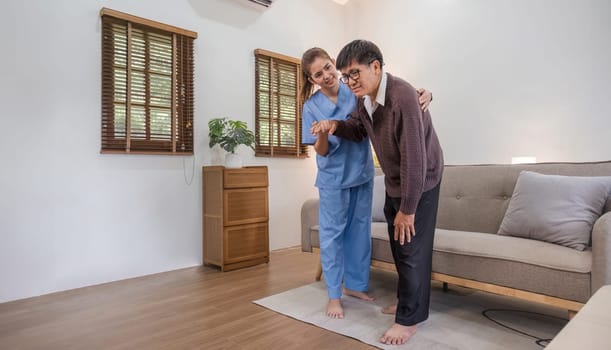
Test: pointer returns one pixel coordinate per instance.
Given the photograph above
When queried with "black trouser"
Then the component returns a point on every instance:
(414, 260)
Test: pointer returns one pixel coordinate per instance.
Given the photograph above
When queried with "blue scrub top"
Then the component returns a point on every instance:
(348, 163)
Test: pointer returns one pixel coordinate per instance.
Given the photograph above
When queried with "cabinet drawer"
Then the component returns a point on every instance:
(246, 242)
(245, 206)
(245, 177)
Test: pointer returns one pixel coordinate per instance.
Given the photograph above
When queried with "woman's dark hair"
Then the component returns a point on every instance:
(359, 51)
(306, 62)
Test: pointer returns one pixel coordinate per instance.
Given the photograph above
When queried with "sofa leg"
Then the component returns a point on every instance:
(318, 271)
(445, 286)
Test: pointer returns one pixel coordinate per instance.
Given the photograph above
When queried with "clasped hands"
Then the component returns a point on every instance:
(323, 127)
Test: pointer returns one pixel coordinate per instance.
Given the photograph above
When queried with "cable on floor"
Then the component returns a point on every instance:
(542, 342)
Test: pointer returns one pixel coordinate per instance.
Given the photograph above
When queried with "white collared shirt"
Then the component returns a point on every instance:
(380, 97)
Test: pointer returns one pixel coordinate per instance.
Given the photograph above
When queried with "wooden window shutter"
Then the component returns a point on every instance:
(147, 86)
(278, 106)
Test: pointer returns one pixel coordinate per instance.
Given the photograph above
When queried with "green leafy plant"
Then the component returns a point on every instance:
(229, 134)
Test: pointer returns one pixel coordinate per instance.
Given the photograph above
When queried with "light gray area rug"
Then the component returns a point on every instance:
(455, 319)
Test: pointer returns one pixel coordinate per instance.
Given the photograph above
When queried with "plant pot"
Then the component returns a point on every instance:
(233, 160)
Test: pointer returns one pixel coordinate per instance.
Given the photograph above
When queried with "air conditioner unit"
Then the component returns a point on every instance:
(266, 3)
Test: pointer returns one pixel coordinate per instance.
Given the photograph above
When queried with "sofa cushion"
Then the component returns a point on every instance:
(517, 275)
(314, 236)
(513, 249)
(556, 209)
(379, 197)
(379, 230)
(488, 245)
(380, 248)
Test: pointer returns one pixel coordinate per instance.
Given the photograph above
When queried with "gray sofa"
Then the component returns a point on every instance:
(469, 252)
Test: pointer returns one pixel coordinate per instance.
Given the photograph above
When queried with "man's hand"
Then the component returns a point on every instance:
(404, 227)
(324, 127)
(424, 98)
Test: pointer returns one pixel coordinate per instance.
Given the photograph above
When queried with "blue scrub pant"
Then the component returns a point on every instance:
(345, 237)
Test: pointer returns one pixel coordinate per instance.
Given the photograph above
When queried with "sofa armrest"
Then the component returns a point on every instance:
(601, 252)
(309, 218)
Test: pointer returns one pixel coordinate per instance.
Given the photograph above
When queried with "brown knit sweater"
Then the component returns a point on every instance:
(404, 141)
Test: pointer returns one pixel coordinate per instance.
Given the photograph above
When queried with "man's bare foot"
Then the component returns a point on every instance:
(390, 309)
(398, 334)
(360, 295)
(335, 309)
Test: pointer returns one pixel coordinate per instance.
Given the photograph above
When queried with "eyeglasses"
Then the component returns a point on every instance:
(353, 74)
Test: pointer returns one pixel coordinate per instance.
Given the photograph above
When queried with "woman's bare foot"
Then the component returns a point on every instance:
(398, 334)
(390, 309)
(335, 309)
(360, 295)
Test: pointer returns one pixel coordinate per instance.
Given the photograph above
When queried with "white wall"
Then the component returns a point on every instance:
(509, 77)
(71, 217)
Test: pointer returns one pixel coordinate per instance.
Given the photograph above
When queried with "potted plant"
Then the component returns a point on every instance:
(229, 134)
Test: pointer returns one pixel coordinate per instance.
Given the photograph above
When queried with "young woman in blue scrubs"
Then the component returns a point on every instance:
(344, 180)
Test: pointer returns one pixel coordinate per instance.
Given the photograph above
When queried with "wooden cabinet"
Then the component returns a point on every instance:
(236, 217)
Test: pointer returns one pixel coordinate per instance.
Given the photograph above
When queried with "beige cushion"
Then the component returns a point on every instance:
(555, 208)
(379, 230)
(513, 249)
(379, 197)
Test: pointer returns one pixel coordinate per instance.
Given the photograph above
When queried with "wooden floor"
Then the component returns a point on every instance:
(194, 308)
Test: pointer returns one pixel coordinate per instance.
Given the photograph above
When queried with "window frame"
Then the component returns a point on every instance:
(273, 148)
(179, 139)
